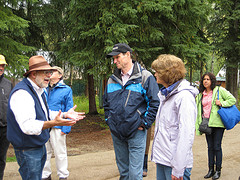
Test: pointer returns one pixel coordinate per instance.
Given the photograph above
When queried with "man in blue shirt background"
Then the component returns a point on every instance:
(59, 97)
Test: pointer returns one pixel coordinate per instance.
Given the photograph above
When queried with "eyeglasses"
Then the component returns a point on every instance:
(47, 72)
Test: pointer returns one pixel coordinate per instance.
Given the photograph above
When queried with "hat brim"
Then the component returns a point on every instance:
(39, 69)
(3, 63)
(113, 54)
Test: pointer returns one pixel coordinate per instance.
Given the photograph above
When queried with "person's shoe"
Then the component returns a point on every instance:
(216, 175)
(144, 174)
(210, 173)
(48, 178)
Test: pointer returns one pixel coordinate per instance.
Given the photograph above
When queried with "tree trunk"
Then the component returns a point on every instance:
(212, 63)
(91, 95)
(190, 79)
(201, 71)
(231, 80)
(232, 58)
(71, 75)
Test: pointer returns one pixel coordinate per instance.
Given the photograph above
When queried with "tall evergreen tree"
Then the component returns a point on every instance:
(225, 34)
(150, 27)
(13, 42)
(52, 20)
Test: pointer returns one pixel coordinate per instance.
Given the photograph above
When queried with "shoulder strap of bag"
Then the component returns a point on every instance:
(201, 104)
(218, 96)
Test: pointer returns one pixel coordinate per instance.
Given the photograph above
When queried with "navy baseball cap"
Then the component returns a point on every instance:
(119, 48)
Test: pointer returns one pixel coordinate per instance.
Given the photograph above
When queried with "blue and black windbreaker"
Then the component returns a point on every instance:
(132, 105)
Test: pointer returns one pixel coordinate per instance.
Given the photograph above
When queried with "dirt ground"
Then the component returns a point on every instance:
(91, 155)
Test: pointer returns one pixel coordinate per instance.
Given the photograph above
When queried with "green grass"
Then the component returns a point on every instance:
(11, 159)
(82, 104)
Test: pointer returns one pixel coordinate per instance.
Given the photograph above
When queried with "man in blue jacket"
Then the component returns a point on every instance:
(59, 96)
(130, 104)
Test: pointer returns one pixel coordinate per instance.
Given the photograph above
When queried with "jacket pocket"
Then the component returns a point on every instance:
(173, 133)
(112, 124)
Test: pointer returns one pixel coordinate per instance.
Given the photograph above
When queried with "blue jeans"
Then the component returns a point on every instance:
(31, 162)
(214, 142)
(130, 155)
(165, 172)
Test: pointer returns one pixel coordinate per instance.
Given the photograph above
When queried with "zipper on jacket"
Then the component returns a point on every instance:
(107, 118)
(138, 112)
(127, 97)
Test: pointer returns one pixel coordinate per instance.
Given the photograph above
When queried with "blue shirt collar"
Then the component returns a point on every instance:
(166, 91)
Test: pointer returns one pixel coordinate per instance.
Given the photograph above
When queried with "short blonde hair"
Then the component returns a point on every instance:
(170, 68)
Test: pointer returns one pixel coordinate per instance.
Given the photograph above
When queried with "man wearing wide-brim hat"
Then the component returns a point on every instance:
(29, 118)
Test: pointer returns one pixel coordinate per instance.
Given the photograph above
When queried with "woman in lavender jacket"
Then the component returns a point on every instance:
(175, 120)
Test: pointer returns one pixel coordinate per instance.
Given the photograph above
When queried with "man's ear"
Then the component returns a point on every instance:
(128, 54)
(33, 74)
(60, 75)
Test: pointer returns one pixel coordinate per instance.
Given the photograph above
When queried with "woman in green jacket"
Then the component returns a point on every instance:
(208, 105)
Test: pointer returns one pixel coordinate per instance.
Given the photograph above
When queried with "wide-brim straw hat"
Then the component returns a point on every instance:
(37, 63)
